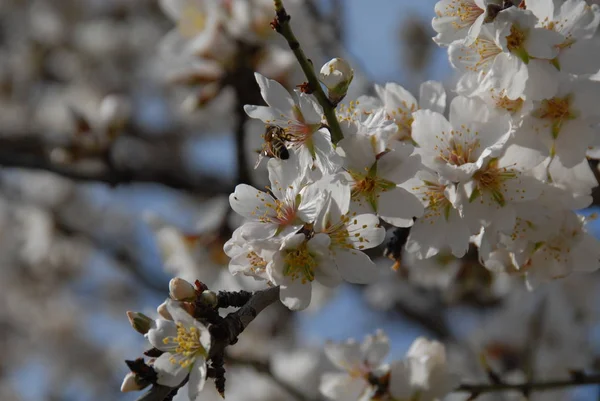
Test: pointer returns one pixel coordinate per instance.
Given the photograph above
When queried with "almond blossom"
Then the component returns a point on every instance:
(459, 20)
(289, 204)
(301, 118)
(374, 180)
(510, 54)
(424, 375)
(458, 148)
(358, 361)
(185, 343)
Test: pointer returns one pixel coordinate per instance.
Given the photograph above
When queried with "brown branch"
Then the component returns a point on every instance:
(576, 380)
(231, 327)
(283, 27)
(32, 153)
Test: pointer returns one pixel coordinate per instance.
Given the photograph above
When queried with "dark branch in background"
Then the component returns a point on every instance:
(578, 379)
(247, 92)
(225, 333)
(282, 25)
(31, 152)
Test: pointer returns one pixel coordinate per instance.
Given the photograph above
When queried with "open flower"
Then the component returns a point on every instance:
(185, 343)
(301, 117)
(375, 179)
(458, 20)
(399, 104)
(350, 234)
(358, 362)
(298, 263)
(510, 54)
(457, 149)
(424, 375)
(292, 203)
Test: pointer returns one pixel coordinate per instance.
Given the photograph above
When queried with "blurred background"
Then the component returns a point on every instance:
(117, 159)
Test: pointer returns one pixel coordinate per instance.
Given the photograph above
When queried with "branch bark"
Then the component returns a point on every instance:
(284, 28)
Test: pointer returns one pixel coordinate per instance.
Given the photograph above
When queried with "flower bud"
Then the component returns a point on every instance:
(140, 322)
(209, 297)
(336, 75)
(131, 382)
(163, 311)
(181, 290)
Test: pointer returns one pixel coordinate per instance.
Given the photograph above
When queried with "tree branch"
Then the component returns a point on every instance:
(283, 27)
(32, 153)
(576, 380)
(231, 327)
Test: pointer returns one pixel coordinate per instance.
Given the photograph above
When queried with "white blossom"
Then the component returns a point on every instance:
(357, 361)
(424, 375)
(185, 343)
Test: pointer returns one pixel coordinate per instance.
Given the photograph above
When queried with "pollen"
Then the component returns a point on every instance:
(437, 203)
(192, 22)
(465, 13)
(188, 345)
(510, 105)
(299, 264)
(556, 110)
(459, 150)
(257, 263)
(516, 39)
(492, 180)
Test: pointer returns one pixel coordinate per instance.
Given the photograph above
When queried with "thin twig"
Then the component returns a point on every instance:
(577, 380)
(284, 28)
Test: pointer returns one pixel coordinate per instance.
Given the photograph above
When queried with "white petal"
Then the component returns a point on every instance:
(342, 387)
(365, 232)
(398, 207)
(375, 348)
(162, 330)
(249, 202)
(355, 266)
(197, 379)
(295, 295)
(432, 96)
(345, 355)
(170, 374)
(274, 93)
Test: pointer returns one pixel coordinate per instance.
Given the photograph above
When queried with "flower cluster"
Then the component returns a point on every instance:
(424, 375)
(506, 169)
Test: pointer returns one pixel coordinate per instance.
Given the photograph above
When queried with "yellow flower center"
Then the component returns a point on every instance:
(339, 233)
(192, 22)
(510, 105)
(434, 196)
(368, 186)
(492, 180)
(299, 263)
(465, 12)
(516, 39)
(556, 110)
(459, 151)
(188, 345)
(257, 263)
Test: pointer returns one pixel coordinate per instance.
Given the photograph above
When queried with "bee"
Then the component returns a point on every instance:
(274, 145)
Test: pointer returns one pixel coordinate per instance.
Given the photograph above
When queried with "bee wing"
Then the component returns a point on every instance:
(258, 160)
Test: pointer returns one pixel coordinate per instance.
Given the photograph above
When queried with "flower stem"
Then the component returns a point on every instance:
(283, 27)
